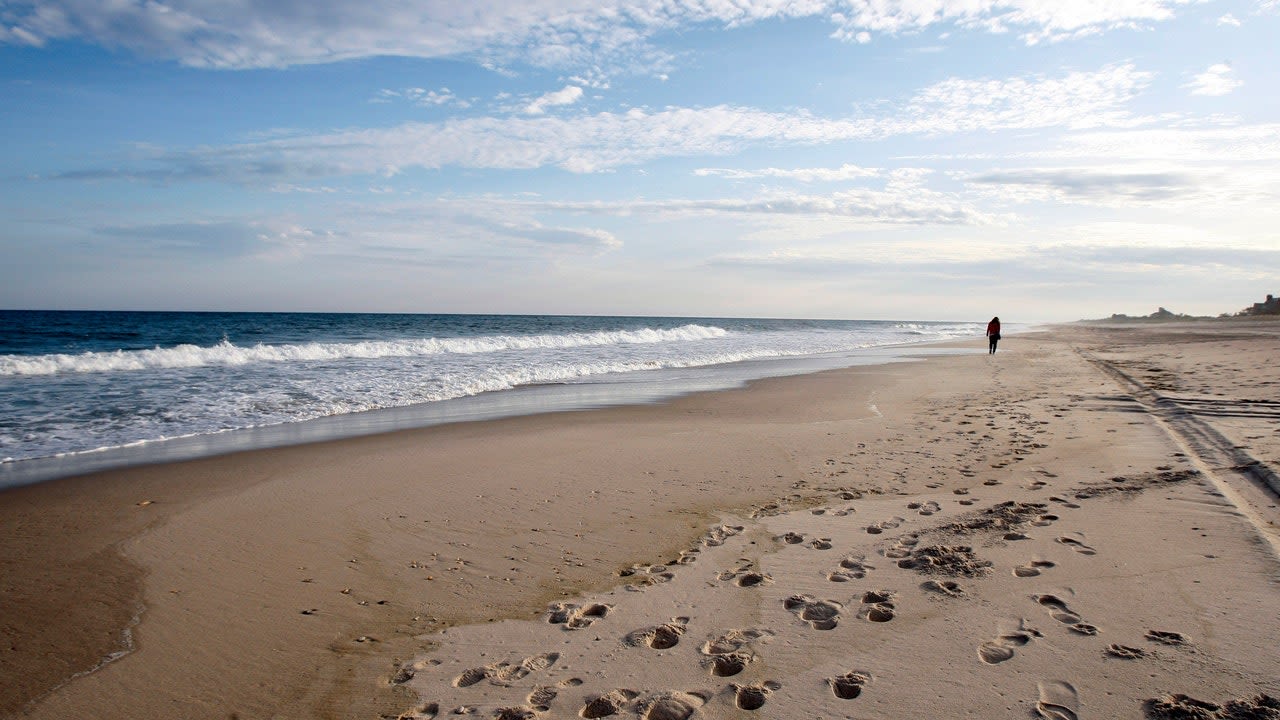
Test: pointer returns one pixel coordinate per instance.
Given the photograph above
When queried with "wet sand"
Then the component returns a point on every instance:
(1078, 526)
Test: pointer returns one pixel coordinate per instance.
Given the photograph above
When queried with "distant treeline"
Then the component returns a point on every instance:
(1270, 306)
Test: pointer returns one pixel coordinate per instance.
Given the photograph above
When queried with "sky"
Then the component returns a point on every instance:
(1040, 160)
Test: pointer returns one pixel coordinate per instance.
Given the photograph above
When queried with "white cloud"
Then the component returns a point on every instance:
(1249, 144)
(568, 95)
(593, 78)
(1099, 185)
(1037, 19)
(601, 141)
(422, 96)
(496, 33)
(1229, 19)
(1217, 80)
(1203, 189)
(309, 190)
(1077, 100)
(894, 205)
(844, 172)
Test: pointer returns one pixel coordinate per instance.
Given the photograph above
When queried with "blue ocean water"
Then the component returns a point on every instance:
(74, 384)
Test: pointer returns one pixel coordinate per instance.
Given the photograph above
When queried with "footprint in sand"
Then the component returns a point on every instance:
(1033, 568)
(850, 569)
(1065, 503)
(745, 575)
(877, 606)
(576, 617)
(1167, 637)
(1009, 635)
(849, 685)
(1058, 700)
(925, 508)
(504, 673)
(901, 548)
(1059, 611)
(792, 538)
(820, 614)
(752, 697)
(541, 696)
(718, 535)
(649, 575)
(1124, 652)
(659, 637)
(948, 588)
(729, 653)
(673, 706)
(1075, 541)
(610, 703)
(1044, 520)
(470, 677)
(407, 672)
(880, 527)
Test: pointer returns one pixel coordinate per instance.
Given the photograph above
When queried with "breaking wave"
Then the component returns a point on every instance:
(227, 354)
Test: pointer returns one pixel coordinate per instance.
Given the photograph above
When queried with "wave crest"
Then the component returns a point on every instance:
(226, 353)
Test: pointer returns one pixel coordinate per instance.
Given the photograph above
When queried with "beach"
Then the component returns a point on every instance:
(1083, 525)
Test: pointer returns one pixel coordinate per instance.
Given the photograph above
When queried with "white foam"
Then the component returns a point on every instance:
(228, 354)
(60, 408)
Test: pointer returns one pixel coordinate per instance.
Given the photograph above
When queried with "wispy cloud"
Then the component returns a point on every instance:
(844, 172)
(568, 95)
(212, 239)
(1217, 80)
(1076, 100)
(1095, 184)
(1237, 143)
(1206, 189)
(1037, 21)
(549, 33)
(593, 142)
(898, 203)
(421, 96)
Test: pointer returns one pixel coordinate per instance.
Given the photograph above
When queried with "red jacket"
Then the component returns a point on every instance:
(993, 327)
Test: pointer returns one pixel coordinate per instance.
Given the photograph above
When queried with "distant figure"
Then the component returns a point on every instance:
(993, 334)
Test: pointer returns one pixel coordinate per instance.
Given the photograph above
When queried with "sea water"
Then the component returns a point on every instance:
(85, 390)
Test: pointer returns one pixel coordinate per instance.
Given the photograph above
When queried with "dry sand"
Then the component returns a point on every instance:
(1077, 527)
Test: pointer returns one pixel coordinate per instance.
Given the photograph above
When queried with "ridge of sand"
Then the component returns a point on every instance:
(1017, 534)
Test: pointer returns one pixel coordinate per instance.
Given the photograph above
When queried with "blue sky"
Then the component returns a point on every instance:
(886, 159)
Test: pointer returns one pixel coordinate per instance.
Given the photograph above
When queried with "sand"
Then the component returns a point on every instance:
(1079, 526)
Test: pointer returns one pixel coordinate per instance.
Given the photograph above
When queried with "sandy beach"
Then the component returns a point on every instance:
(1084, 525)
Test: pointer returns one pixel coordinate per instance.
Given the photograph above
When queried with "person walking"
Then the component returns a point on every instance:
(993, 335)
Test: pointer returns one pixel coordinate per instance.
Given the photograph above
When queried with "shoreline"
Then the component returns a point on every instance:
(588, 394)
(249, 555)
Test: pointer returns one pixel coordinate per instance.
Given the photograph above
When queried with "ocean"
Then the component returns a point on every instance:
(82, 391)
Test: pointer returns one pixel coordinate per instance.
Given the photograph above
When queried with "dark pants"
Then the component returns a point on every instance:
(993, 339)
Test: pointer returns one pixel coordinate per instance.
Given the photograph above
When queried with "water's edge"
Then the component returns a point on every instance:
(597, 392)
